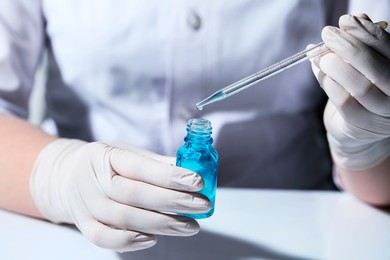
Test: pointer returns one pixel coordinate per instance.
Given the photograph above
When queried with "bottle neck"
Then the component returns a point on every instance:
(199, 132)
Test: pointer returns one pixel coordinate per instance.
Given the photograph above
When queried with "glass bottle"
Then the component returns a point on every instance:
(198, 154)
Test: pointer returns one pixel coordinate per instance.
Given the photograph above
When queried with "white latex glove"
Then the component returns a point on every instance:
(356, 78)
(115, 194)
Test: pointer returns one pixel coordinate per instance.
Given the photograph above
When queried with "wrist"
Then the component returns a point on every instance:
(49, 178)
(359, 156)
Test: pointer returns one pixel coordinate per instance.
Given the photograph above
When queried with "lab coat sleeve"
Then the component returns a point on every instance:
(21, 44)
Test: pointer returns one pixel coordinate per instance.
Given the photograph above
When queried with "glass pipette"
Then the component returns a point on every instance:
(272, 70)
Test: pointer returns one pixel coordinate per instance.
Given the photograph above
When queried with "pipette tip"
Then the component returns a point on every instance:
(217, 96)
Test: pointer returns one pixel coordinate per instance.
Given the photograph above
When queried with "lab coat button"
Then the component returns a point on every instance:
(194, 21)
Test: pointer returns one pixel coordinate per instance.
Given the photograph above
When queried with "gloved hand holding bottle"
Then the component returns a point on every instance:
(115, 193)
(355, 76)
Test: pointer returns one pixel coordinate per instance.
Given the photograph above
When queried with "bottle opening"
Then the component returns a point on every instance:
(199, 126)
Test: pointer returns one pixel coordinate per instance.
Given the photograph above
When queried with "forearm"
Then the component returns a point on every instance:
(21, 143)
(370, 185)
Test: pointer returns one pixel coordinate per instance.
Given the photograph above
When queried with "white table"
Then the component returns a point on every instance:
(247, 224)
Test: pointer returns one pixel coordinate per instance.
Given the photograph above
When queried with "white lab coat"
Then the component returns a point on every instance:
(132, 71)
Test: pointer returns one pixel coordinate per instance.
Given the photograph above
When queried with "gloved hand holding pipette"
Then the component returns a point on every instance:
(357, 116)
(311, 52)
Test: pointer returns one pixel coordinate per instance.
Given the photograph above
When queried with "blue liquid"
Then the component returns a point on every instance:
(202, 158)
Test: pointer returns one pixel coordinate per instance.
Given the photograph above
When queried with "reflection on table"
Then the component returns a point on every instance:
(247, 224)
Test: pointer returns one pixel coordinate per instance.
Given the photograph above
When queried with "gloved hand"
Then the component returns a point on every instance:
(356, 77)
(116, 194)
